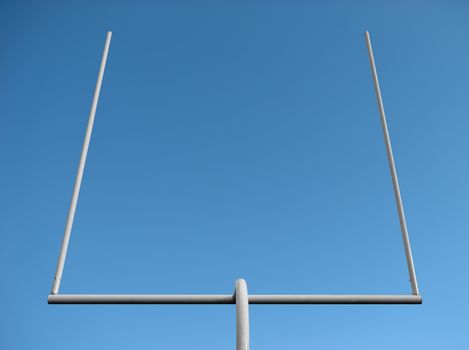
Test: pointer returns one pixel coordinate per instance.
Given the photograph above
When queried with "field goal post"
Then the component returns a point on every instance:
(240, 297)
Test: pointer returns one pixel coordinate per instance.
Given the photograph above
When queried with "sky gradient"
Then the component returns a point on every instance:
(234, 140)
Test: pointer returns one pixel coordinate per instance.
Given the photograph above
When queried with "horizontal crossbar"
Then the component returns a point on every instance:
(230, 299)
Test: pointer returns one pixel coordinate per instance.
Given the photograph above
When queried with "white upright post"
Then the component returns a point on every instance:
(392, 168)
(242, 315)
(81, 168)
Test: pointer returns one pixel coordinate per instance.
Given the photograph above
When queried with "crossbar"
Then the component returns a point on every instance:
(230, 299)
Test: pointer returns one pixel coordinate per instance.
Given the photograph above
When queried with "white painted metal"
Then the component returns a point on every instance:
(230, 299)
(392, 168)
(81, 169)
(242, 315)
(241, 297)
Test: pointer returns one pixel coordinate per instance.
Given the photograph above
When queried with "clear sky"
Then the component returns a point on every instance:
(234, 140)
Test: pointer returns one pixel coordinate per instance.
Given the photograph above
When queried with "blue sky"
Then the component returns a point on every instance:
(234, 139)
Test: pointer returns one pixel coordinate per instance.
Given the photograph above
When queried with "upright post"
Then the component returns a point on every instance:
(81, 169)
(242, 315)
(392, 168)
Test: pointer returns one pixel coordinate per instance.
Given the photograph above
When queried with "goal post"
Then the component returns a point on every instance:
(240, 297)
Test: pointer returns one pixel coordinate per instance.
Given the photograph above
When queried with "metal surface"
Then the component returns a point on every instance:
(242, 315)
(81, 169)
(241, 297)
(392, 168)
(230, 299)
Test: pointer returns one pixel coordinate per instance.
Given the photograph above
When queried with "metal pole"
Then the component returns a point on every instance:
(242, 315)
(392, 168)
(230, 299)
(81, 168)
(335, 299)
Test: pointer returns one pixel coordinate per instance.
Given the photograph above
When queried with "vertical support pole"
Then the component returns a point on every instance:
(392, 168)
(81, 169)
(242, 315)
